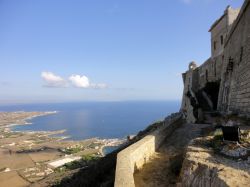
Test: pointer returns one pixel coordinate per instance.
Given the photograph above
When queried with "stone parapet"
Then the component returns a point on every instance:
(135, 156)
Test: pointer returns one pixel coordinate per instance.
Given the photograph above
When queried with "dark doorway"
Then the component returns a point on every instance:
(212, 90)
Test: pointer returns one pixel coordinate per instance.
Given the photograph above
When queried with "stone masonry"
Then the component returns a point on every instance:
(222, 83)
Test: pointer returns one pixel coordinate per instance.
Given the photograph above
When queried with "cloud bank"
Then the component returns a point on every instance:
(77, 81)
(52, 80)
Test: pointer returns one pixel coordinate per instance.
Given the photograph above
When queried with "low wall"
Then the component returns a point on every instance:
(135, 156)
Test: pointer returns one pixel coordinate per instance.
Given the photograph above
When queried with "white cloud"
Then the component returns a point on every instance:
(79, 81)
(84, 82)
(53, 80)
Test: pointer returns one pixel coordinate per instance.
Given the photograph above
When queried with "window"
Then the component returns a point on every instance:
(241, 53)
(230, 65)
(221, 39)
(215, 45)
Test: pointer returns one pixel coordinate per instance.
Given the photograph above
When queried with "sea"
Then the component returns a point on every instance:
(105, 120)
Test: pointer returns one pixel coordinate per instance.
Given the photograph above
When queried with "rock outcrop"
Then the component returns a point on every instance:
(201, 167)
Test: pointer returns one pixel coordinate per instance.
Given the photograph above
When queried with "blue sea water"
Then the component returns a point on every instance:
(108, 149)
(96, 119)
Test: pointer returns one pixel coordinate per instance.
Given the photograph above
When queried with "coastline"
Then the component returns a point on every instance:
(9, 127)
(24, 121)
(112, 142)
(27, 154)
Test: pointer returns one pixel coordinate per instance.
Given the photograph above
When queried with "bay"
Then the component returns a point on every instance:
(96, 119)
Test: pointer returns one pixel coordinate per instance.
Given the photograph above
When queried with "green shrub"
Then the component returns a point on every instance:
(75, 164)
(89, 157)
(84, 161)
(72, 150)
(217, 142)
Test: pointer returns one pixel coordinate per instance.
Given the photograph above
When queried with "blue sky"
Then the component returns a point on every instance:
(101, 50)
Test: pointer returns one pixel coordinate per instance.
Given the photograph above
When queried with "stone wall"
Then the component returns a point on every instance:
(135, 156)
(235, 83)
(220, 29)
(225, 76)
(190, 79)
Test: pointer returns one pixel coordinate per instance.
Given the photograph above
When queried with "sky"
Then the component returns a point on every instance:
(101, 50)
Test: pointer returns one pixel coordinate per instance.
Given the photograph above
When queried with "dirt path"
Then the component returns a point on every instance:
(164, 167)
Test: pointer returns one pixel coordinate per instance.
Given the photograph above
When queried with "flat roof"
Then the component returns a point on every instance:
(61, 162)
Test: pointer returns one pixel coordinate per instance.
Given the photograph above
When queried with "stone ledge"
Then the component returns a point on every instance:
(202, 167)
(135, 156)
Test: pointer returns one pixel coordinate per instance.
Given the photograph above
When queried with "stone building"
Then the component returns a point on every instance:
(222, 83)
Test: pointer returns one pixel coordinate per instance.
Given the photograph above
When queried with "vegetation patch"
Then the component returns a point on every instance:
(85, 161)
(230, 150)
(72, 150)
(217, 142)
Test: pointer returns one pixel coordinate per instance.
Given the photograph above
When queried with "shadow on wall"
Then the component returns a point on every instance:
(208, 96)
(212, 89)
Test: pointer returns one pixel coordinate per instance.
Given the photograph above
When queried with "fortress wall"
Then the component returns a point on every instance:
(219, 30)
(229, 65)
(239, 96)
(210, 71)
(196, 79)
(235, 84)
(135, 156)
(188, 84)
(207, 72)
